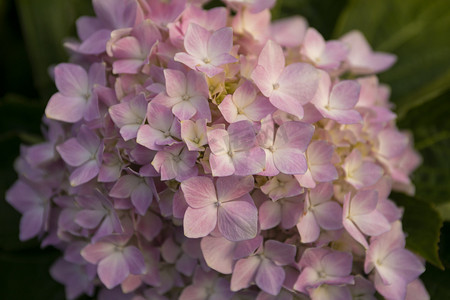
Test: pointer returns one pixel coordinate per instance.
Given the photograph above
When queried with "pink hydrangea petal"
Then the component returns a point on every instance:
(272, 60)
(313, 44)
(262, 80)
(269, 214)
(93, 253)
(73, 153)
(188, 60)
(290, 161)
(237, 220)
(244, 273)
(221, 165)
(299, 81)
(280, 253)
(228, 109)
(308, 228)
(294, 135)
(184, 110)
(290, 31)
(71, 80)
(95, 43)
(269, 277)
(218, 253)
(84, 173)
(113, 269)
(199, 222)
(328, 215)
(199, 191)
(134, 259)
(31, 223)
(233, 187)
(175, 83)
(64, 108)
(344, 95)
(196, 41)
(249, 162)
(220, 42)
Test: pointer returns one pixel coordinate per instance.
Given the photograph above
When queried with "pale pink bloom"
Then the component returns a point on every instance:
(265, 268)
(129, 116)
(162, 128)
(361, 172)
(245, 104)
(175, 162)
(360, 216)
(84, 152)
(361, 58)
(288, 88)
(207, 51)
(320, 168)
(186, 95)
(393, 265)
(337, 102)
(289, 32)
(254, 6)
(320, 211)
(220, 254)
(285, 150)
(212, 20)
(115, 259)
(285, 211)
(225, 204)
(77, 97)
(282, 186)
(324, 55)
(131, 49)
(323, 266)
(32, 201)
(234, 151)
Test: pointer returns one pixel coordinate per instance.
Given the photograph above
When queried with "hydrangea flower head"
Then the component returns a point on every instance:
(197, 153)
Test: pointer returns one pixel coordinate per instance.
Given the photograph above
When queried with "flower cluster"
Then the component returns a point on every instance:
(214, 154)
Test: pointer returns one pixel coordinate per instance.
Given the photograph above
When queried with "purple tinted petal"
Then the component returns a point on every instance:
(269, 277)
(237, 220)
(244, 273)
(134, 260)
(113, 269)
(84, 173)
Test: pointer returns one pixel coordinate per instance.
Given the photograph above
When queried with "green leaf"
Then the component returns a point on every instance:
(437, 280)
(416, 32)
(45, 24)
(422, 224)
(431, 128)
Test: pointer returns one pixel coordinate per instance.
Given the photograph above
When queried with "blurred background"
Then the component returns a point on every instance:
(32, 33)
